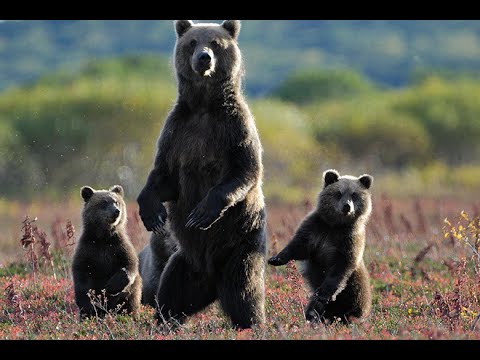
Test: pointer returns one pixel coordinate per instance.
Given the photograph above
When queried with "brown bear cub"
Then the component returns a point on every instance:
(331, 240)
(152, 260)
(208, 172)
(105, 259)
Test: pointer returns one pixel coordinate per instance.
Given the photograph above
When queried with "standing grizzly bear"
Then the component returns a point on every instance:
(208, 170)
(332, 239)
(105, 259)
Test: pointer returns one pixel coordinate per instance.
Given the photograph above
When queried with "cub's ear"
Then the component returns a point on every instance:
(117, 189)
(86, 193)
(329, 177)
(366, 180)
(181, 26)
(233, 27)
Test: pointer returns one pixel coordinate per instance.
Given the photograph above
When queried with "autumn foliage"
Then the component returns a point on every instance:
(422, 256)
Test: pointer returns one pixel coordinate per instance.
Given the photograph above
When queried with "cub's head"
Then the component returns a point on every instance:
(207, 51)
(104, 209)
(345, 199)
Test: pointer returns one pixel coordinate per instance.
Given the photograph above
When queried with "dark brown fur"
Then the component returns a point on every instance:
(105, 259)
(208, 170)
(152, 261)
(331, 241)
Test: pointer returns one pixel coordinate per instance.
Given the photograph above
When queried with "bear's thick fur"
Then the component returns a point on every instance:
(152, 260)
(208, 171)
(331, 240)
(104, 258)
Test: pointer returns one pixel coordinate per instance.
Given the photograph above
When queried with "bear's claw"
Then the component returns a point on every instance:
(276, 261)
(315, 310)
(159, 228)
(203, 216)
(200, 219)
(153, 216)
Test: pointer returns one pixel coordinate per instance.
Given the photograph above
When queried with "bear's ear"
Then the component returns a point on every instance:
(329, 177)
(86, 193)
(366, 180)
(117, 189)
(233, 27)
(181, 26)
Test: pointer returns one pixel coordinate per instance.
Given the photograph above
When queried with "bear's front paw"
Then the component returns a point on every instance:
(117, 283)
(201, 218)
(205, 214)
(153, 215)
(276, 261)
(315, 309)
(113, 289)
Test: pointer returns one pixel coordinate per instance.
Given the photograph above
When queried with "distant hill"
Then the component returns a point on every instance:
(387, 51)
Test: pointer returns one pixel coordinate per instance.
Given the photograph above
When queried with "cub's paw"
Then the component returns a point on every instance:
(276, 261)
(315, 310)
(312, 315)
(205, 214)
(117, 283)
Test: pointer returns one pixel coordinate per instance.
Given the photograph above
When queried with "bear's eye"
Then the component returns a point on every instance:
(354, 196)
(193, 43)
(104, 203)
(115, 202)
(215, 44)
(338, 194)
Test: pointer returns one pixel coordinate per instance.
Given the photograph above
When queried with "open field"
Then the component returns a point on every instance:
(83, 103)
(426, 284)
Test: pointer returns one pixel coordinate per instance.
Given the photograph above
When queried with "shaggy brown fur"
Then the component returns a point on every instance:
(105, 259)
(152, 261)
(331, 240)
(208, 170)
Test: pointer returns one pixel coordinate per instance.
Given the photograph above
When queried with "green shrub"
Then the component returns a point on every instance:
(449, 111)
(313, 84)
(363, 129)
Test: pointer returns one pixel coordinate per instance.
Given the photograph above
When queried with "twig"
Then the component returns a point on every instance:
(475, 322)
(421, 255)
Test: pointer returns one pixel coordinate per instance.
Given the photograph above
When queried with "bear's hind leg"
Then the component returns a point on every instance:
(241, 290)
(182, 291)
(133, 302)
(354, 301)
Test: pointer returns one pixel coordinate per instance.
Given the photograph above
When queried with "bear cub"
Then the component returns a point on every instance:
(152, 260)
(331, 241)
(104, 258)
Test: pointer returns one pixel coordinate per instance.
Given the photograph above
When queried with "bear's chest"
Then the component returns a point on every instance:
(201, 145)
(324, 248)
(105, 259)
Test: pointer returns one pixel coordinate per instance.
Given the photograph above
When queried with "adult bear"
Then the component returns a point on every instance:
(208, 170)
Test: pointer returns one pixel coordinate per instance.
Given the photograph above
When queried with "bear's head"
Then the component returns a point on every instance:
(104, 209)
(345, 199)
(207, 51)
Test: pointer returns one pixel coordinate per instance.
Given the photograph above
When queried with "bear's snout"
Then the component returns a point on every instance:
(116, 218)
(204, 62)
(347, 208)
(204, 58)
